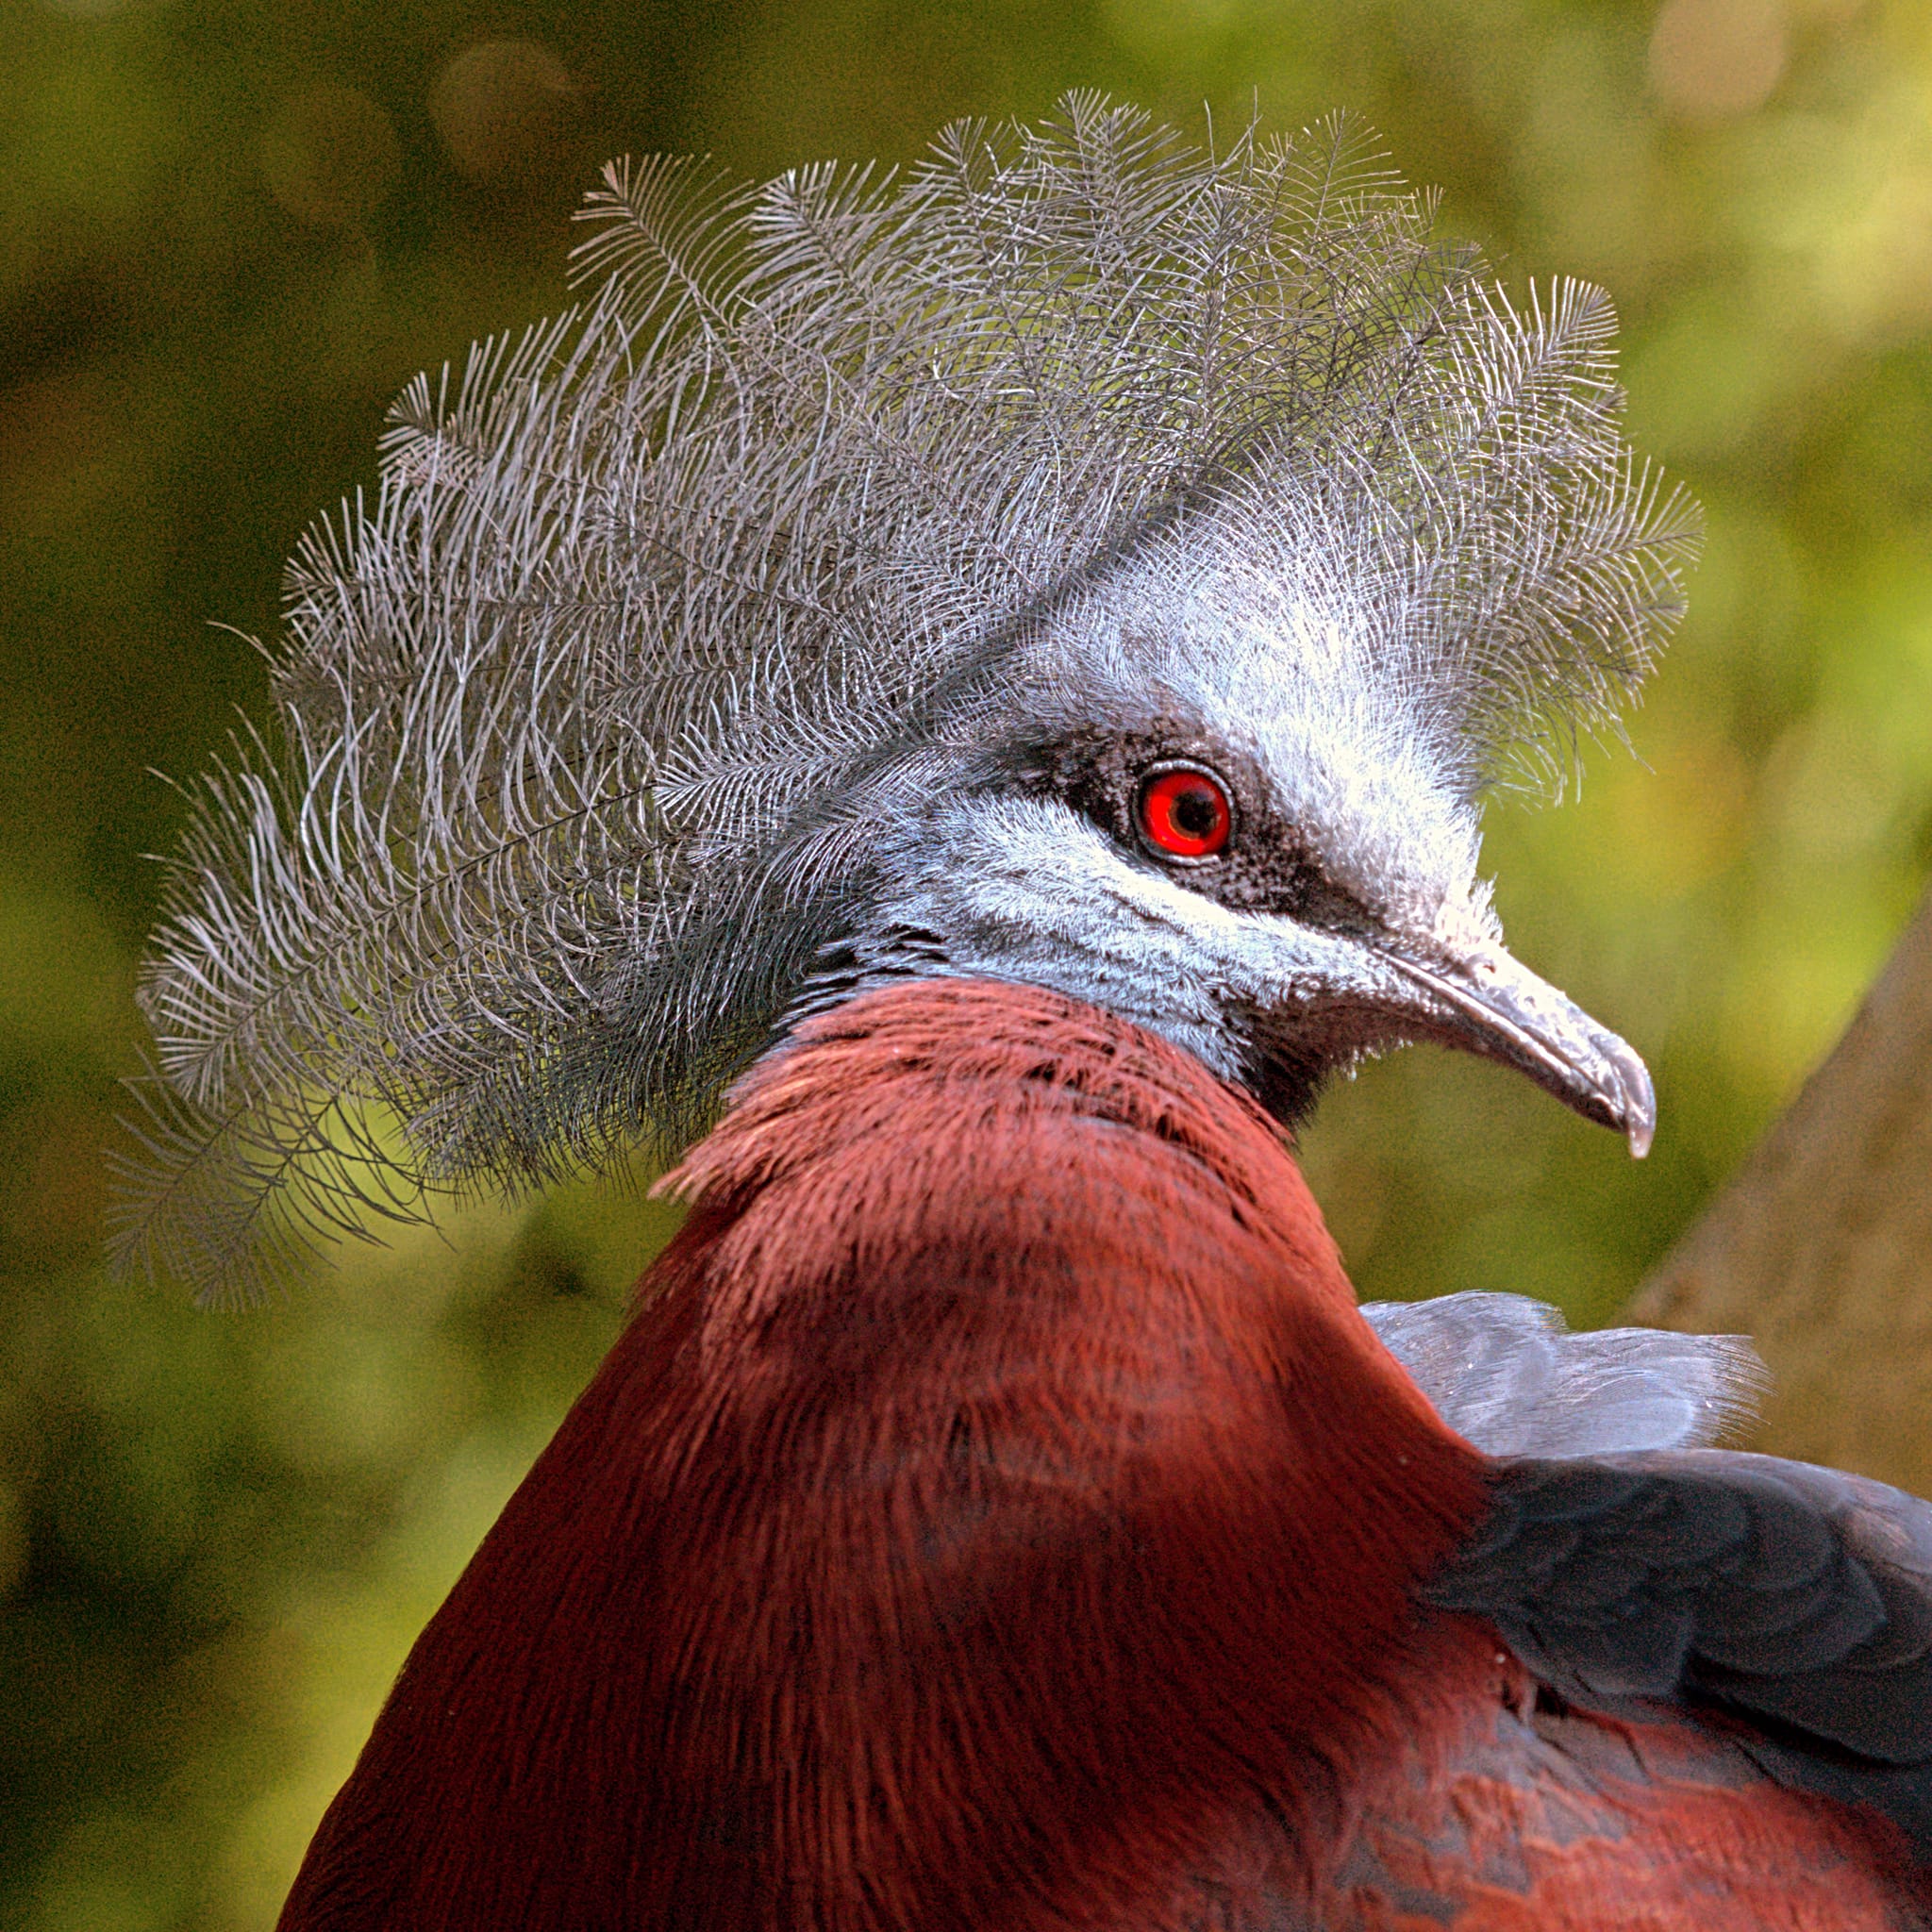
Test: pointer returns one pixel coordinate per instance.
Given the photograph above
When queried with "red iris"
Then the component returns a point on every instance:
(1184, 814)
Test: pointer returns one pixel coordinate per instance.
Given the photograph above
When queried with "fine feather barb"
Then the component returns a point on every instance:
(580, 714)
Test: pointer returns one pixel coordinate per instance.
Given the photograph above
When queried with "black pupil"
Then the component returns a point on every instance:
(1196, 811)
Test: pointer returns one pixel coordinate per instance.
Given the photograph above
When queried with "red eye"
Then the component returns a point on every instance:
(1184, 814)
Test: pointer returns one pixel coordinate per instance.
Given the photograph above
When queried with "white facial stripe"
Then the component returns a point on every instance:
(1023, 889)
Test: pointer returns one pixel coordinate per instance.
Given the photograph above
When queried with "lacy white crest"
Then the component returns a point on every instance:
(586, 722)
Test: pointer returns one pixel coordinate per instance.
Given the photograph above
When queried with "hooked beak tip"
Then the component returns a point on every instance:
(1640, 1101)
(1497, 1008)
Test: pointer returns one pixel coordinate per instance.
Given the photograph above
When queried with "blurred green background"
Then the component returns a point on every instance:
(230, 230)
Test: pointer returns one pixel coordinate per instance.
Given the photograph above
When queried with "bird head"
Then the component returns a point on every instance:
(1088, 559)
(1217, 802)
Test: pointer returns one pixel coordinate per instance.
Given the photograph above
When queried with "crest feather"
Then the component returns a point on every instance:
(582, 718)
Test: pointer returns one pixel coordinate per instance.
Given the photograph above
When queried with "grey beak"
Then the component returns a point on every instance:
(1493, 1006)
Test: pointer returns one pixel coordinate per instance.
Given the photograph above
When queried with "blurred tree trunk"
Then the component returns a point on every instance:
(1820, 1249)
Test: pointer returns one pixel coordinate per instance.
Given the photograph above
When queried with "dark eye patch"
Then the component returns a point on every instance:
(1267, 865)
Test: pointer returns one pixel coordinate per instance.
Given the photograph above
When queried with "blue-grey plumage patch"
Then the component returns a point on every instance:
(1504, 1371)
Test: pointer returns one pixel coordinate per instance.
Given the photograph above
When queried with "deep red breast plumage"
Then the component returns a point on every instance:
(997, 1516)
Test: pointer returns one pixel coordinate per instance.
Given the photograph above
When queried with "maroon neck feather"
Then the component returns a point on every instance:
(994, 1501)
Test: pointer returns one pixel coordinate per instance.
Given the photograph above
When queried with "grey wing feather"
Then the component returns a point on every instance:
(1796, 1600)
(1504, 1373)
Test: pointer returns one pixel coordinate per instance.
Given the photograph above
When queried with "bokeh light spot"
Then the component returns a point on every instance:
(1714, 59)
(503, 107)
(330, 156)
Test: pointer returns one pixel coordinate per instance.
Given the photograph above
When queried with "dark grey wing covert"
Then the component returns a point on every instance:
(1795, 1600)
